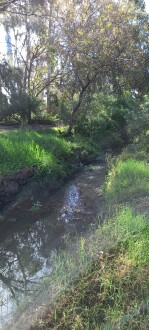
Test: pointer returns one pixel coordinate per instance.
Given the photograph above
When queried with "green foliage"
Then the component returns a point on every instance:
(36, 206)
(105, 116)
(128, 178)
(65, 109)
(53, 156)
(44, 118)
(11, 77)
(3, 105)
(22, 104)
(139, 4)
(138, 119)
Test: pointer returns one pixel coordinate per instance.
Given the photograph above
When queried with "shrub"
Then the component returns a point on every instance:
(104, 115)
(23, 104)
(3, 105)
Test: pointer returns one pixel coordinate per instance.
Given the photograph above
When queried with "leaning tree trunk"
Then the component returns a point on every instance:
(76, 108)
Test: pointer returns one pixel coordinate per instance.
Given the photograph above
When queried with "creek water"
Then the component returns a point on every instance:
(38, 224)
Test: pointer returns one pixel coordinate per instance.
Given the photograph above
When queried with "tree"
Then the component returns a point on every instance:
(96, 46)
(67, 48)
(32, 52)
(139, 4)
(5, 4)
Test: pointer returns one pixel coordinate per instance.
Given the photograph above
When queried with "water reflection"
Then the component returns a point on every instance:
(24, 259)
(71, 201)
(29, 245)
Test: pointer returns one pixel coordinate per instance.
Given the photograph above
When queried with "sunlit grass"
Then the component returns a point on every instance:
(47, 151)
(127, 179)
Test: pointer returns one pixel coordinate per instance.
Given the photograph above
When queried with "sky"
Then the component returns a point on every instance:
(147, 5)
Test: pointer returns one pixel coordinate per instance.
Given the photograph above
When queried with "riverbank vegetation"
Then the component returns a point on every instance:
(103, 283)
(53, 156)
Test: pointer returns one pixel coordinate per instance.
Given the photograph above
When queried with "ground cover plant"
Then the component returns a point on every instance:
(105, 289)
(53, 156)
(128, 178)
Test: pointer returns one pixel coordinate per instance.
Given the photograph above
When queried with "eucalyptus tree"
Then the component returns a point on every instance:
(33, 24)
(66, 47)
(99, 38)
(139, 4)
(48, 68)
(21, 23)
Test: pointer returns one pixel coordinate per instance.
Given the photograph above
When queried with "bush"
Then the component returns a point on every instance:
(65, 110)
(137, 119)
(21, 105)
(104, 116)
(3, 105)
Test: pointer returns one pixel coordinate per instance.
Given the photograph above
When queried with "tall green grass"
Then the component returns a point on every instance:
(128, 178)
(47, 151)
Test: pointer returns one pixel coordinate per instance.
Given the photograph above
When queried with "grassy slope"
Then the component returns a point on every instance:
(111, 290)
(53, 156)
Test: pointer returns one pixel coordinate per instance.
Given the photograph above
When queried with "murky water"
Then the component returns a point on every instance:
(37, 226)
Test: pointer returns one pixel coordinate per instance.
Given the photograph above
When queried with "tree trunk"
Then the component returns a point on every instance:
(49, 65)
(29, 119)
(76, 108)
(27, 73)
(70, 127)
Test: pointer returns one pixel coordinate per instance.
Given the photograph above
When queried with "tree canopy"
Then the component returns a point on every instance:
(63, 49)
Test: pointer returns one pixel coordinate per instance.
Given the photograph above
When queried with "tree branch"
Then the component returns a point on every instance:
(47, 85)
(5, 4)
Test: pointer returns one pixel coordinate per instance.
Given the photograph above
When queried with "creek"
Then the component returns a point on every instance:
(38, 224)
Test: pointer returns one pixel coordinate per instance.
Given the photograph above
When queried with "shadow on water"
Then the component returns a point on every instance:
(37, 226)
